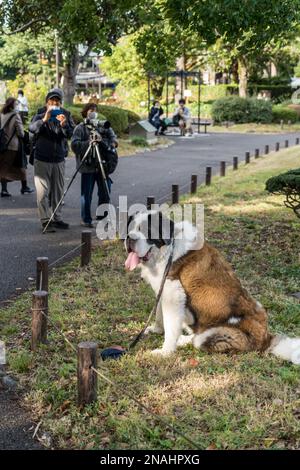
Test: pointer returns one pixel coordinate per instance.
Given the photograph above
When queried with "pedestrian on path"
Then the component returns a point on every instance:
(12, 161)
(52, 126)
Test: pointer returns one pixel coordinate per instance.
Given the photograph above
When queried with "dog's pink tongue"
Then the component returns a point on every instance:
(132, 261)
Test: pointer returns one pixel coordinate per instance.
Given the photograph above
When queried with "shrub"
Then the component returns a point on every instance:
(241, 110)
(116, 116)
(260, 111)
(284, 113)
(287, 184)
(132, 116)
(139, 141)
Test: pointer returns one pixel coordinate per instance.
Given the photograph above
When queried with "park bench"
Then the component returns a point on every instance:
(194, 123)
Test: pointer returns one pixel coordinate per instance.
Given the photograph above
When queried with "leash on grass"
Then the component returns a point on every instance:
(157, 300)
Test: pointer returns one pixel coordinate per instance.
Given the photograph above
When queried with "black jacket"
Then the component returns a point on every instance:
(50, 138)
(154, 115)
(80, 143)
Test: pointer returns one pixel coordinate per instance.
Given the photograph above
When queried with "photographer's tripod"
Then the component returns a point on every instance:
(93, 151)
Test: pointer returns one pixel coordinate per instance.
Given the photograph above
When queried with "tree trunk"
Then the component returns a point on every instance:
(70, 72)
(157, 86)
(243, 77)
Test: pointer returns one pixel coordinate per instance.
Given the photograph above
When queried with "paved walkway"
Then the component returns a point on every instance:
(139, 176)
(16, 429)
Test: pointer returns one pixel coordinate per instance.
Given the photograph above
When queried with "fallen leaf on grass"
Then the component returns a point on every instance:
(193, 362)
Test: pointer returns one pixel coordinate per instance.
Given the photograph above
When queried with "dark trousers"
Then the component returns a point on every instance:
(88, 181)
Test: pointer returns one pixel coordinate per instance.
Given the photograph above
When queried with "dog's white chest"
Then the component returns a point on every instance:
(154, 275)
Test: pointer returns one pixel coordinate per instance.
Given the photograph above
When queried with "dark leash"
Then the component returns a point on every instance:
(116, 351)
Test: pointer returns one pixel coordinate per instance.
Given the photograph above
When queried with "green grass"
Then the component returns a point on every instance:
(257, 128)
(248, 401)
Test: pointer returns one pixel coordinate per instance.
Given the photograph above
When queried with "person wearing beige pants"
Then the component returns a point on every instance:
(49, 176)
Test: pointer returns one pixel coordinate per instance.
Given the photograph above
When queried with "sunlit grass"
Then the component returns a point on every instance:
(248, 401)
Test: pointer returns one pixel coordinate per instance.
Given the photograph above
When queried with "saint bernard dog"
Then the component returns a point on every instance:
(201, 296)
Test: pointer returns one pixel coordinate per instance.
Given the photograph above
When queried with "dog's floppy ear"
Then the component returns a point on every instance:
(129, 221)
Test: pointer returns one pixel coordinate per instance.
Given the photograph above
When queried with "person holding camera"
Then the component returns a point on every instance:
(91, 129)
(52, 126)
(182, 117)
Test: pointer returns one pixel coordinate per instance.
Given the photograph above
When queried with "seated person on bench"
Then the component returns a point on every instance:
(155, 118)
(182, 116)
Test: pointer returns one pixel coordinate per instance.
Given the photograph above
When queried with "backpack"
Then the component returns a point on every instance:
(4, 142)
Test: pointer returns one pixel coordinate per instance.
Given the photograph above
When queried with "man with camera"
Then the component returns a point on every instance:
(88, 134)
(52, 126)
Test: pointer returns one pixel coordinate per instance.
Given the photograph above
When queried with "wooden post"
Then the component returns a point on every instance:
(42, 274)
(175, 193)
(267, 149)
(297, 140)
(208, 176)
(222, 168)
(193, 184)
(256, 155)
(277, 146)
(235, 163)
(86, 248)
(86, 377)
(150, 202)
(247, 157)
(39, 320)
(286, 143)
(281, 123)
(289, 122)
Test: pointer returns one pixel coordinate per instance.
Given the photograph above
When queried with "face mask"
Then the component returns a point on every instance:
(93, 115)
(54, 108)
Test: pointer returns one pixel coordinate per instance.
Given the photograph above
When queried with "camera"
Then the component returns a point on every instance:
(55, 111)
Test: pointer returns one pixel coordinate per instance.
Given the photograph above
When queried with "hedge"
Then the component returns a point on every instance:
(277, 91)
(241, 110)
(284, 113)
(118, 117)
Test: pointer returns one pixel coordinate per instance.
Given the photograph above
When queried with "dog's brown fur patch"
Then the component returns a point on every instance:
(214, 295)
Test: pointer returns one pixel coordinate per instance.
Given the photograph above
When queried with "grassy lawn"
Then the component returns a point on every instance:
(127, 147)
(257, 128)
(249, 401)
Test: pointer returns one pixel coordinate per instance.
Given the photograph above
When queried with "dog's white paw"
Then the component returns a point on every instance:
(183, 340)
(153, 329)
(161, 352)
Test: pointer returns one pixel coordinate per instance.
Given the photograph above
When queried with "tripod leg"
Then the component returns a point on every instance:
(103, 174)
(68, 187)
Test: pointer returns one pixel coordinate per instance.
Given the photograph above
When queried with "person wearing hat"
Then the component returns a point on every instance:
(52, 126)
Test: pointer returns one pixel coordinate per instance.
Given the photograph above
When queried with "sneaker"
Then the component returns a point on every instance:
(5, 193)
(27, 190)
(60, 224)
(50, 228)
(86, 224)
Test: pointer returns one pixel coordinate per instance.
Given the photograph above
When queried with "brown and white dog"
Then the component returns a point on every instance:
(201, 295)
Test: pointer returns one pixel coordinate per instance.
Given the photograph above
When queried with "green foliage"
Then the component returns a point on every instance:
(290, 179)
(139, 141)
(21, 362)
(35, 89)
(278, 92)
(215, 92)
(116, 116)
(283, 113)
(132, 116)
(241, 110)
(24, 53)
